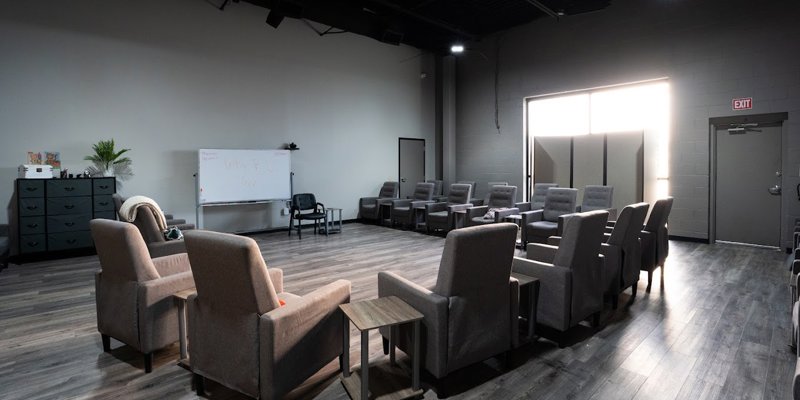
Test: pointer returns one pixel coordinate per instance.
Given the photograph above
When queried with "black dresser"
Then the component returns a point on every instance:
(54, 214)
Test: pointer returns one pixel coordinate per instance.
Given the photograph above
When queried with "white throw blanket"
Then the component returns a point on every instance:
(128, 210)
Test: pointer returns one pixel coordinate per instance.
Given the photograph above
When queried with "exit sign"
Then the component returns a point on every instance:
(745, 103)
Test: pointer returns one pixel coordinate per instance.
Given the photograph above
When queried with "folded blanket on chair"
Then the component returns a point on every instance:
(129, 208)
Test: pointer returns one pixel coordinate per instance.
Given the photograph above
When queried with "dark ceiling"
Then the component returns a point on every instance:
(427, 24)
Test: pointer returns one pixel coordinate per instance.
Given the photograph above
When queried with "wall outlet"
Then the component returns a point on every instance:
(285, 211)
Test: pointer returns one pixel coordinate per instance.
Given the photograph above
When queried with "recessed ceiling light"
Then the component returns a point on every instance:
(457, 48)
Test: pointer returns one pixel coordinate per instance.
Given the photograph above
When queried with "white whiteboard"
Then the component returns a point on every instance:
(229, 176)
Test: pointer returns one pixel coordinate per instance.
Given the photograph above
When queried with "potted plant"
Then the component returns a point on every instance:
(108, 161)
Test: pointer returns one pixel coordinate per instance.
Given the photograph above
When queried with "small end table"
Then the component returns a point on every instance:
(460, 219)
(531, 284)
(331, 221)
(373, 314)
(517, 219)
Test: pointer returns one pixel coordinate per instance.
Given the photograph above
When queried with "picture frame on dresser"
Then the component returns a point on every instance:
(50, 217)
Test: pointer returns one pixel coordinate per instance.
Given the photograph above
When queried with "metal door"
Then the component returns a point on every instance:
(748, 179)
(412, 165)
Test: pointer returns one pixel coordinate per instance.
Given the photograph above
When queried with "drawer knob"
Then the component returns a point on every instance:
(32, 207)
(69, 206)
(69, 223)
(30, 189)
(33, 225)
(103, 186)
(103, 203)
(33, 244)
(69, 188)
(72, 241)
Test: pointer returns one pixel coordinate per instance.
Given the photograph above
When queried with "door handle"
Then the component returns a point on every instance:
(402, 180)
(775, 190)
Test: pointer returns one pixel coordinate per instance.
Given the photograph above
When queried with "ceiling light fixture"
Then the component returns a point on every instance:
(457, 48)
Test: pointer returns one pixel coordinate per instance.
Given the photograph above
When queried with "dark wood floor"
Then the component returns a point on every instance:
(719, 329)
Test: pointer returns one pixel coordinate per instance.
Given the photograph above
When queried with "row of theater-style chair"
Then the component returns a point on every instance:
(794, 269)
(242, 336)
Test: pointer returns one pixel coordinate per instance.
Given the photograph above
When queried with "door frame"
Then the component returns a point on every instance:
(717, 123)
(400, 158)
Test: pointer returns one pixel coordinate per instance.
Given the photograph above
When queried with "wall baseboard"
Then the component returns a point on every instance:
(688, 239)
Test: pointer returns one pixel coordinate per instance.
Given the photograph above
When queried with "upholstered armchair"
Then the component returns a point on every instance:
(171, 220)
(471, 313)
(157, 244)
(403, 211)
(538, 225)
(569, 274)
(133, 292)
(596, 197)
(537, 198)
(655, 240)
(501, 202)
(623, 252)
(437, 186)
(245, 332)
(370, 207)
(440, 215)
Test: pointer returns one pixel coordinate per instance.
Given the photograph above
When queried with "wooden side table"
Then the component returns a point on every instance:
(180, 298)
(531, 284)
(373, 314)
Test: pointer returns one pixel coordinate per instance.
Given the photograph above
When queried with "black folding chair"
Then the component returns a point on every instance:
(305, 207)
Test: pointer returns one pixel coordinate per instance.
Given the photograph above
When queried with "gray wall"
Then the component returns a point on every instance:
(712, 51)
(167, 78)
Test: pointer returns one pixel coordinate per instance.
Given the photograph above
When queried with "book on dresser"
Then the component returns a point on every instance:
(52, 215)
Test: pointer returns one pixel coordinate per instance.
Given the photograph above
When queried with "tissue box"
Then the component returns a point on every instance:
(35, 171)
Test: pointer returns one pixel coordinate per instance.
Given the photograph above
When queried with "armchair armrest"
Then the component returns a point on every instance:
(153, 291)
(162, 249)
(172, 264)
(555, 291)
(554, 241)
(476, 201)
(541, 252)
(796, 267)
(320, 205)
(401, 203)
(500, 215)
(458, 207)
(417, 203)
(478, 211)
(431, 305)
(367, 200)
(531, 216)
(435, 207)
(301, 337)
(276, 276)
(612, 271)
(523, 206)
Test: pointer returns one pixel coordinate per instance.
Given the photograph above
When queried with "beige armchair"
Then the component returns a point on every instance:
(655, 240)
(502, 198)
(171, 220)
(134, 292)
(570, 274)
(157, 245)
(471, 314)
(240, 334)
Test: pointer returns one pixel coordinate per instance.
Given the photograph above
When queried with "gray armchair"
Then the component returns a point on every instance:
(501, 197)
(437, 186)
(471, 314)
(596, 197)
(370, 207)
(440, 215)
(538, 225)
(537, 198)
(403, 211)
(134, 292)
(655, 240)
(157, 245)
(240, 334)
(569, 274)
(623, 252)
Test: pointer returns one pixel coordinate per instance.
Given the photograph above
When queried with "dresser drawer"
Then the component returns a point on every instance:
(31, 225)
(104, 186)
(31, 206)
(32, 243)
(68, 223)
(106, 215)
(69, 205)
(30, 188)
(69, 240)
(69, 187)
(103, 203)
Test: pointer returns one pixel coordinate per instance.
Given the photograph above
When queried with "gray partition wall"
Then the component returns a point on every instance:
(625, 167)
(552, 160)
(588, 167)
